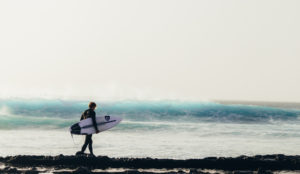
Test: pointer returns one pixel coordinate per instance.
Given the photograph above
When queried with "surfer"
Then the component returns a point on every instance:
(89, 113)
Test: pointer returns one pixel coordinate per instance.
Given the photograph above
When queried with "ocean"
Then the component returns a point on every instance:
(156, 129)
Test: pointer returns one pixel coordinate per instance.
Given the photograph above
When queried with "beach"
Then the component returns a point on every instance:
(159, 86)
(154, 136)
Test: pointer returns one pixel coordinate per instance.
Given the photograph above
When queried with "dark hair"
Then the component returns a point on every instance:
(92, 105)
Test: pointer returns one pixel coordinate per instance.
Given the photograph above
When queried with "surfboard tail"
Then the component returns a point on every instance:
(75, 129)
(77, 132)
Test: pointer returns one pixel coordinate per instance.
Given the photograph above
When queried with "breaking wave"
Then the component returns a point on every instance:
(61, 114)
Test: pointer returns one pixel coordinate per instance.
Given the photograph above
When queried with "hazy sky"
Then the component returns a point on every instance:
(155, 49)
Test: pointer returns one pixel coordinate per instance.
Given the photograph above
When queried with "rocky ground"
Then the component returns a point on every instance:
(83, 164)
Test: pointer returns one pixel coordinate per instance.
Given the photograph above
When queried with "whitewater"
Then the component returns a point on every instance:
(157, 129)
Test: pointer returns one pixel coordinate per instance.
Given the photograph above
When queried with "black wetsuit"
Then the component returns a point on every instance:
(89, 113)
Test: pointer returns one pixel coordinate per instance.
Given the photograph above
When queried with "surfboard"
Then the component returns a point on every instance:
(85, 127)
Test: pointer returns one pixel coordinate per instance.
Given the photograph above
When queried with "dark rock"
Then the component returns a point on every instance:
(211, 158)
(240, 164)
(261, 171)
(181, 172)
(243, 172)
(228, 172)
(280, 157)
(31, 172)
(11, 170)
(193, 171)
(198, 171)
(133, 171)
(243, 157)
(82, 170)
(6, 168)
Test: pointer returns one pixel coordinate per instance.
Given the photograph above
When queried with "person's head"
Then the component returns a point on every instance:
(92, 105)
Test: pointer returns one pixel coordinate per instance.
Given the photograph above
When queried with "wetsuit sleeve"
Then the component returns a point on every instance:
(93, 115)
(81, 118)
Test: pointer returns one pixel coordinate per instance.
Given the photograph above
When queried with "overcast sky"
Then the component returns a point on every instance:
(155, 49)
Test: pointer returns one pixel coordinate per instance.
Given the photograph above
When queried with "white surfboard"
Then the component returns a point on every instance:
(86, 127)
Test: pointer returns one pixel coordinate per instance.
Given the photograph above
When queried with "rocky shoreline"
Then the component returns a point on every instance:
(103, 164)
